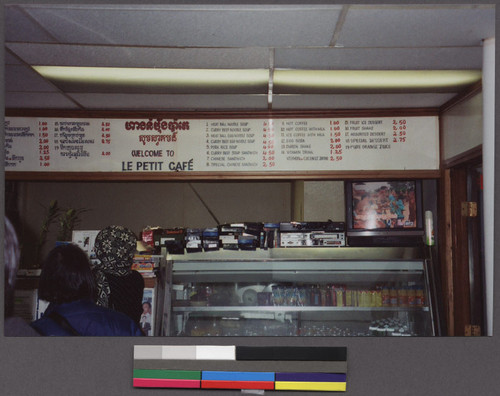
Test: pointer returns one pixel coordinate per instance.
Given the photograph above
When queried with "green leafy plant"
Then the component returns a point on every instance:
(68, 219)
(50, 216)
(67, 222)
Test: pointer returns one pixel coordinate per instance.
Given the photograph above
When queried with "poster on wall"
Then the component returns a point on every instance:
(221, 145)
(85, 239)
(147, 316)
(380, 205)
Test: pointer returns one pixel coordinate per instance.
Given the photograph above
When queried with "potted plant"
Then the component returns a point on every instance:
(67, 222)
(51, 214)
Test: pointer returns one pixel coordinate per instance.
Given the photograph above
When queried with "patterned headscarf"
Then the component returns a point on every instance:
(115, 247)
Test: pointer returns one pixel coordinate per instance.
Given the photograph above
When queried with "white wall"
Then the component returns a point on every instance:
(324, 200)
(462, 127)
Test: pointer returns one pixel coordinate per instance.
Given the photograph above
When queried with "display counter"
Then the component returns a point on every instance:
(299, 292)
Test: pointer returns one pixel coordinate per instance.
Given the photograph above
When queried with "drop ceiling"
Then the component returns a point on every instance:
(237, 37)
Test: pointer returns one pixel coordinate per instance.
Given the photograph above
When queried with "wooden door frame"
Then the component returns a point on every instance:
(454, 233)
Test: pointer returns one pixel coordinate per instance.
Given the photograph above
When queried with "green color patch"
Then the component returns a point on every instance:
(168, 374)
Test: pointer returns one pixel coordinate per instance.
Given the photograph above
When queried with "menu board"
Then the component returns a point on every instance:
(221, 145)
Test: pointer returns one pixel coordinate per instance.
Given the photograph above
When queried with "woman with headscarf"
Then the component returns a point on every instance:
(119, 287)
(67, 283)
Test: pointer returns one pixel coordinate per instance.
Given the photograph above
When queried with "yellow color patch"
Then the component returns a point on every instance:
(315, 386)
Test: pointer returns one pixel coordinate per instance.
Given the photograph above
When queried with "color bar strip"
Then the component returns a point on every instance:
(228, 365)
(291, 353)
(179, 352)
(148, 352)
(215, 352)
(237, 385)
(313, 386)
(236, 376)
(168, 374)
(165, 383)
(311, 377)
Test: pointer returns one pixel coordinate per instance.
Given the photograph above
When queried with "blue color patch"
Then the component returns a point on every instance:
(236, 376)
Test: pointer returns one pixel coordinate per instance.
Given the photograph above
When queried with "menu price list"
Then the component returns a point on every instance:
(368, 135)
(45, 144)
(222, 145)
(303, 141)
(236, 145)
(353, 144)
(22, 141)
(106, 138)
(337, 141)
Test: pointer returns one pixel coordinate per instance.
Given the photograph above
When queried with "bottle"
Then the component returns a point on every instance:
(215, 330)
(429, 229)
(402, 296)
(411, 295)
(322, 291)
(328, 296)
(377, 296)
(349, 297)
(386, 298)
(340, 296)
(419, 297)
(393, 293)
(317, 296)
(334, 295)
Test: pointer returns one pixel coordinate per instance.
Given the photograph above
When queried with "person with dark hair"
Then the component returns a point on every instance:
(119, 287)
(67, 283)
(13, 326)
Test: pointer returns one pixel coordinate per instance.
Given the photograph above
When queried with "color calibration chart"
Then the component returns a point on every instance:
(240, 367)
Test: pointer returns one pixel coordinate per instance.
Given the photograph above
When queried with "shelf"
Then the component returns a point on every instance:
(297, 309)
(296, 264)
(303, 253)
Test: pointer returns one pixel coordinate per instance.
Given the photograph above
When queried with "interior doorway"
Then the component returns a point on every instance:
(463, 254)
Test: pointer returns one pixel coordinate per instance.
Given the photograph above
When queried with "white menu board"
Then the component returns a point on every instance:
(221, 145)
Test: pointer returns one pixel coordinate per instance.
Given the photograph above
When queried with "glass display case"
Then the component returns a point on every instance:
(299, 292)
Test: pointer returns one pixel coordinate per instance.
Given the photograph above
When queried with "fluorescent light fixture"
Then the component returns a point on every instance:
(376, 81)
(142, 80)
(254, 81)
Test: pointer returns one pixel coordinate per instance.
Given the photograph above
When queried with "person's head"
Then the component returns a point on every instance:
(115, 247)
(66, 276)
(11, 259)
(146, 307)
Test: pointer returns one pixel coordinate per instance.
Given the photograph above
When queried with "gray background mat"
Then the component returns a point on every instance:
(393, 366)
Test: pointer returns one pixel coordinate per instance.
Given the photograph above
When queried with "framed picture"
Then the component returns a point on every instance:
(86, 240)
(148, 309)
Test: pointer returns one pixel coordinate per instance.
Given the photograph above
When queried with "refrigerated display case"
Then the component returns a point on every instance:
(300, 292)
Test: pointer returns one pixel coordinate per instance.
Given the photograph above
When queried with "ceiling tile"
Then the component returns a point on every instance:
(19, 26)
(171, 102)
(379, 58)
(24, 79)
(215, 26)
(362, 101)
(377, 37)
(106, 56)
(38, 100)
(11, 59)
(394, 26)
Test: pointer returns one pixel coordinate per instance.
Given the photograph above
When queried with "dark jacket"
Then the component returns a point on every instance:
(87, 319)
(126, 294)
